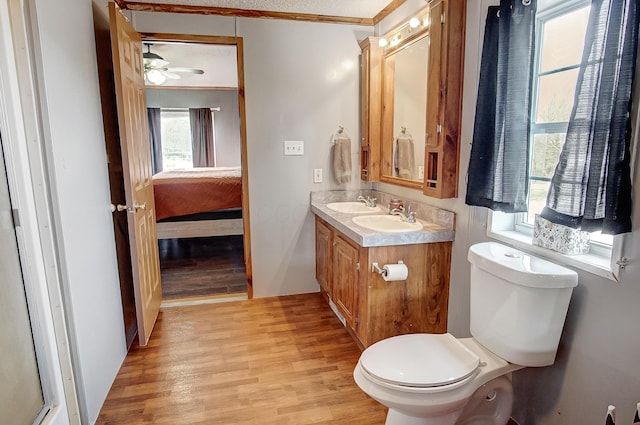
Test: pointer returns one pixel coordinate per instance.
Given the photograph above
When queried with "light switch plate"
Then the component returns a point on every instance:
(421, 172)
(317, 175)
(293, 147)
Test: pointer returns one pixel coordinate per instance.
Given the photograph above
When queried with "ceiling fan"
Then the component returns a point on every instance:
(156, 70)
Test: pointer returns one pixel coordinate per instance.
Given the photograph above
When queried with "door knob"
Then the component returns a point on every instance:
(142, 206)
(118, 207)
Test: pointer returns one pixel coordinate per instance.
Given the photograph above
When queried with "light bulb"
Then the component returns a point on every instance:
(156, 77)
(383, 42)
(414, 22)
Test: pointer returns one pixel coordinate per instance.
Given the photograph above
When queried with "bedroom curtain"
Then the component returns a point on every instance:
(499, 163)
(155, 138)
(201, 120)
(591, 186)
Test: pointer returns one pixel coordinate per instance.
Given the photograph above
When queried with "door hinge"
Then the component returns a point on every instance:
(358, 266)
(442, 18)
(357, 321)
(16, 217)
(623, 263)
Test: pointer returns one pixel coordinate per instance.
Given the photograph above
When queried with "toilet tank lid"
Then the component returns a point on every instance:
(519, 267)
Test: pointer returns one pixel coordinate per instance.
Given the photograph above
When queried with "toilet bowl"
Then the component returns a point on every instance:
(460, 368)
(436, 379)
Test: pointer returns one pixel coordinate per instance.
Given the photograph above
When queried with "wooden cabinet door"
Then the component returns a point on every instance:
(444, 105)
(370, 108)
(323, 256)
(345, 278)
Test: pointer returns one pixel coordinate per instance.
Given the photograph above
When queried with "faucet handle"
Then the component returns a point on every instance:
(411, 215)
(372, 201)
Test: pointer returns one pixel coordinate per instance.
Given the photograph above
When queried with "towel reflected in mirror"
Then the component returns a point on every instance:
(404, 161)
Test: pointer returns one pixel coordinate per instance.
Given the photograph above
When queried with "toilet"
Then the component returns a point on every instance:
(518, 306)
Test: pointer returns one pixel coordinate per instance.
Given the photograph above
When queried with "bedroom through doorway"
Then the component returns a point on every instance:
(195, 101)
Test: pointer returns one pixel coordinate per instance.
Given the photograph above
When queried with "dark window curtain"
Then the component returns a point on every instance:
(591, 186)
(202, 137)
(499, 163)
(155, 138)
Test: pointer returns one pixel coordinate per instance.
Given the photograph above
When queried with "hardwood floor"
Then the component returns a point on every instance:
(284, 360)
(196, 267)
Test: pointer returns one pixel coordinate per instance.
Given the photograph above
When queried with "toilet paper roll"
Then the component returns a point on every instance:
(395, 272)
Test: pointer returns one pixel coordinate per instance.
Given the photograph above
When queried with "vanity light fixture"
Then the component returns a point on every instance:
(408, 30)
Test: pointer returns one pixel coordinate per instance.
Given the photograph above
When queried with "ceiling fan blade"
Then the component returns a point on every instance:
(187, 70)
(170, 74)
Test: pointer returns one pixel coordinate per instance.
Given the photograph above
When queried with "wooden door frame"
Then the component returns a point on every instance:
(238, 42)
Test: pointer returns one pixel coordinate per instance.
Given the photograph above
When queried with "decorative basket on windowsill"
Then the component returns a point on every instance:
(557, 237)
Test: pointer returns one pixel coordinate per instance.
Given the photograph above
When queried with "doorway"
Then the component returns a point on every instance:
(204, 249)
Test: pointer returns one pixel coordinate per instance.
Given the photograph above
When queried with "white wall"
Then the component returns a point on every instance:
(77, 168)
(597, 362)
(302, 82)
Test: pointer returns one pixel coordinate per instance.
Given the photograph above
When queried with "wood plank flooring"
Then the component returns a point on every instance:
(284, 360)
(196, 267)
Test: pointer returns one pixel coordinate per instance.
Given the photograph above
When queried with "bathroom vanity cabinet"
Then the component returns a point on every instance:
(373, 308)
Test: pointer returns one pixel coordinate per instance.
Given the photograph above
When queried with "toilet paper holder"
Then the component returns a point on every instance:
(375, 267)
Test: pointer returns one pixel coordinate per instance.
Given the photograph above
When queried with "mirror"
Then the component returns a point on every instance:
(404, 121)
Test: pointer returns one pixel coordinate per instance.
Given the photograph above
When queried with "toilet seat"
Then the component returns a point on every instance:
(420, 361)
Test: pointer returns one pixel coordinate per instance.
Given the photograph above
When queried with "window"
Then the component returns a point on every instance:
(560, 32)
(176, 139)
(560, 40)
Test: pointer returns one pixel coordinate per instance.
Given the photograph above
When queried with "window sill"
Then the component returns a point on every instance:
(599, 265)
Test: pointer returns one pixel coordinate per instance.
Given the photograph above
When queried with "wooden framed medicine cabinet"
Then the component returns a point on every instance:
(413, 87)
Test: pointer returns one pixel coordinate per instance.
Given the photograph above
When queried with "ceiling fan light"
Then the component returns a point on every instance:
(156, 77)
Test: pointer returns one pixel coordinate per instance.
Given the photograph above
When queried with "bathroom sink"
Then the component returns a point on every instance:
(386, 223)
(352, 207)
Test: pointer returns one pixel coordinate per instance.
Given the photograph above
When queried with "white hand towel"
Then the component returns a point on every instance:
(342, 160)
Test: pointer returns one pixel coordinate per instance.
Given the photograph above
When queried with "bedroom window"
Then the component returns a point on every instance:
(176, 139)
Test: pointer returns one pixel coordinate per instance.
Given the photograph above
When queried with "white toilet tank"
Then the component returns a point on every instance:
(518, 303)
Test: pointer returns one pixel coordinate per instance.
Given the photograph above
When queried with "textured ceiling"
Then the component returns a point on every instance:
(219, 65)
(342, 8)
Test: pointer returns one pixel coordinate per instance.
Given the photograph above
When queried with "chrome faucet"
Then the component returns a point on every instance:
(370, 202)
(405, 214)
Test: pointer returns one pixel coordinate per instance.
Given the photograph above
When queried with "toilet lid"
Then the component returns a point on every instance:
(420, 360)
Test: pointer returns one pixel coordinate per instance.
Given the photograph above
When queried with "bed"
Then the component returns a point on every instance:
(198, 202)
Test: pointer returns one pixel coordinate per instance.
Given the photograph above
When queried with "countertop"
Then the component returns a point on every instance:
(438, 224)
